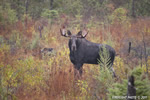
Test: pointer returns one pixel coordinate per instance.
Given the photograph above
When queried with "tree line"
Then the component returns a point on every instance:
(87, 8)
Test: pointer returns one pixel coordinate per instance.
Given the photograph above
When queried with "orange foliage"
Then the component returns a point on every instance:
(61, 80)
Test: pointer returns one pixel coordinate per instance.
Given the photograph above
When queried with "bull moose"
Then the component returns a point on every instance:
(83, 51)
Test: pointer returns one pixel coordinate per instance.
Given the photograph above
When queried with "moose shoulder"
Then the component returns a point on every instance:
(83, 51)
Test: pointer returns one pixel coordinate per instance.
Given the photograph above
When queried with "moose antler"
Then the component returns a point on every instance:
(84, 33)
(63, 31)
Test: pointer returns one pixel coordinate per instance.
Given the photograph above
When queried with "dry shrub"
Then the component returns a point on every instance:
(58, 76)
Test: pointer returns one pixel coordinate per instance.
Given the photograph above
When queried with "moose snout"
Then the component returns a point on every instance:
(73, 48)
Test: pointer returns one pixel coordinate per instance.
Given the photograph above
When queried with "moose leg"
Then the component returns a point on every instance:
(111, 66)
(78, 70)
(76, 73)
(113, 71)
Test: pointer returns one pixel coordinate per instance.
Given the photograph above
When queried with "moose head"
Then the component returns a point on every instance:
(73, 38)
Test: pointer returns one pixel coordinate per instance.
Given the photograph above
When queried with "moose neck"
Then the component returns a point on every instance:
(82, 43)
(86, 42)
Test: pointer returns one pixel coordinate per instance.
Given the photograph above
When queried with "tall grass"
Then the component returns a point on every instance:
(27, 77)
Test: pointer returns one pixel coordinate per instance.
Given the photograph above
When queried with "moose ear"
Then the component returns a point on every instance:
(68, 32)
(79, 34)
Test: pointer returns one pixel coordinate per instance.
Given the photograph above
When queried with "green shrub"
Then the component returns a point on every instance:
(104, 78)
(51, 14)
(8, 82)
(26, 73)
(119, 15)
(7, 15)
(35, 42)
(104, 57)
(84, 90)
(1, 39)
(15, 38)
(30, 71)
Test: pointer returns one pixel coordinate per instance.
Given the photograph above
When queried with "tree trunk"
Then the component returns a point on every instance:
(141, 57)
(26, 20)
(133, 8)
(145, 52)
(129, 48)
(51, 4)
(26, 6)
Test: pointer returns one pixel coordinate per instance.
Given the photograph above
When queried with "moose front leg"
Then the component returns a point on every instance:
(78, 70)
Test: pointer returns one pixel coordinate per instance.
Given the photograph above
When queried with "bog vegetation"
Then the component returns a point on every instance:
(26, 27)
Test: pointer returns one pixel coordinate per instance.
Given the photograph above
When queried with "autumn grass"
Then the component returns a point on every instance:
(52, 77)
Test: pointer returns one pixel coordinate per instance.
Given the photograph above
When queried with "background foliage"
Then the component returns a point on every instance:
(29, 26)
